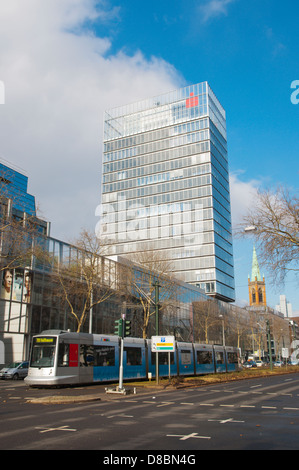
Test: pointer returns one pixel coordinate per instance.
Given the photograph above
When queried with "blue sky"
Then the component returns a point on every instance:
(248, 52)
(63, 62)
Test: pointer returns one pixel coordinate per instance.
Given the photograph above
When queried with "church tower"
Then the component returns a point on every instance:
(256, 286)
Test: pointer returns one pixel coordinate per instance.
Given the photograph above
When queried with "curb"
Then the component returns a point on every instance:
(62, 400)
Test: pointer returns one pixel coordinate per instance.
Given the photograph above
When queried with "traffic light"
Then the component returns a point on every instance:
(118, 329)
(127, 328)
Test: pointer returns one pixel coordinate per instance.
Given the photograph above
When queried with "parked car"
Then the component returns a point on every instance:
(249, 364)
(278, 363)
(293, 362)
(259, 363)
(15, 371)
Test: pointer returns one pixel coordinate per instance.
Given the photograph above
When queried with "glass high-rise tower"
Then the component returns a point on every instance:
(165, 185)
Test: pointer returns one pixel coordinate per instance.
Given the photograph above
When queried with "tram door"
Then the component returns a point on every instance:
(86, 361)
(220, 359)
(68, 359)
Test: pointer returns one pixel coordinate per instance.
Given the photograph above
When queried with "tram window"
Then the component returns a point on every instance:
(63, 355)
(185, 356)
(133, 356)
(104, 355)
(86, 355)
(232, 358)
(163, 358)
(204, 357)
(43, 352)
(219, 357)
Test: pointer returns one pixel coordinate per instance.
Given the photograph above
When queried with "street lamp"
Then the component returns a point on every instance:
(223, 332)
(250, 228)
(268, 333)
(269, 343)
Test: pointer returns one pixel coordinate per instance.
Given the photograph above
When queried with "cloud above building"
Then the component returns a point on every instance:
(243, 195)
(59, 78)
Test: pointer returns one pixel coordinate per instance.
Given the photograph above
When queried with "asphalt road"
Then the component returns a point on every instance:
(256, 414)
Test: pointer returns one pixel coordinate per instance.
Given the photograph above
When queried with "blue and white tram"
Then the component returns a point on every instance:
(64, 358)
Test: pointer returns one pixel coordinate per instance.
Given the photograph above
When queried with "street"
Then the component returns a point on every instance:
(260, 413)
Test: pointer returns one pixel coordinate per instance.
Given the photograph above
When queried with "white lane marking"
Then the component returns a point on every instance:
(183, 437)
(60, 428)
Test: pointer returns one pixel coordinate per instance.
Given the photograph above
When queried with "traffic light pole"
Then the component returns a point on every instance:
(121, 365)
(122, 329)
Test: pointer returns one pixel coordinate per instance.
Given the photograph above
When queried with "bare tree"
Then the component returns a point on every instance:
(280, 332)
(206, 317)
(257, 325)
(274, 220)
(148, 269)
(238, 324)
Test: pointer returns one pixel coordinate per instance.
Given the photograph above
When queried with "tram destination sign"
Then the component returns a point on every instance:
(163, 343)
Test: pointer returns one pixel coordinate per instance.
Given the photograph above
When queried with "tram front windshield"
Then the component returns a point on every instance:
(43, 351)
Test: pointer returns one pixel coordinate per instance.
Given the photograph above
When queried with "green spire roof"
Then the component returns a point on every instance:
(255, 272)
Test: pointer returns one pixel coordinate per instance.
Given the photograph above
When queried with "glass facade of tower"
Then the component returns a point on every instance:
(13, 184)
(165, 185)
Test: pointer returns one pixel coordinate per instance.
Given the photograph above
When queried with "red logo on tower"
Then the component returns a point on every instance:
(192, 101)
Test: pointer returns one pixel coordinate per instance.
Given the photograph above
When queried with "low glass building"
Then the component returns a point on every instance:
(29, 304)
(30, 301)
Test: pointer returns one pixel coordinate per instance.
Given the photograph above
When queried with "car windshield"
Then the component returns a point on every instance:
(13, 365)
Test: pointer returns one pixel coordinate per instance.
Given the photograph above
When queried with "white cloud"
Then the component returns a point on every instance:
(276, 45)
(59, 78)
(214, 8)
(242, 194)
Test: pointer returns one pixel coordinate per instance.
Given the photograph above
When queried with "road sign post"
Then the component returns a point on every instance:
(157, 325)
(121, 366)
(163, 344)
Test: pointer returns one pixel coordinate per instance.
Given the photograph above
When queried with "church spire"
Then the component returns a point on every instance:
(256, 285)
(255, 272)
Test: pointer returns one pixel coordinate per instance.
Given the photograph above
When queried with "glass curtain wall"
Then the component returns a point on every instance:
(165, 185)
